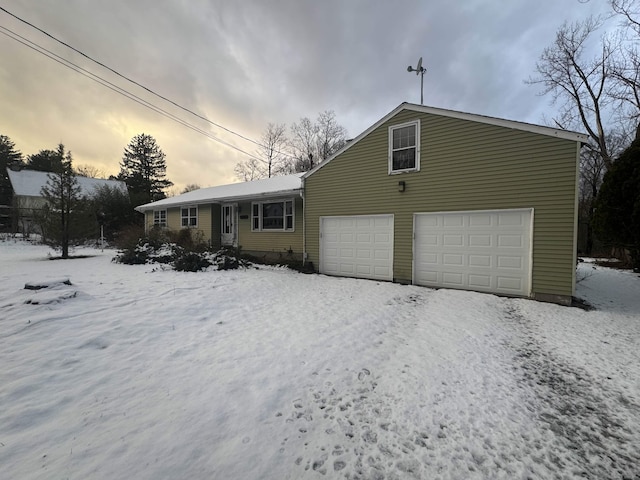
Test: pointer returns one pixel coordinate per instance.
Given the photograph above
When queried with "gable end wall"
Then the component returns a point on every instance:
(464, 165)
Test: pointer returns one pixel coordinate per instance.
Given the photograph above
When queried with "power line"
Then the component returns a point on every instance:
(61, 42)
(111, 86)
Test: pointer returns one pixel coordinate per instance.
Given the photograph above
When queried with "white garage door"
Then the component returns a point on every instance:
(358, 246)
(486, 251)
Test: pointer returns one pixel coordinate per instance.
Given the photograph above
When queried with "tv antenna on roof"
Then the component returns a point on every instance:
(419, 71)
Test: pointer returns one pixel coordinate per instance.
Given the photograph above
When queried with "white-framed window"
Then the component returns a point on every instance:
(189, 216)
(159, 218)
(404, 147)
(272, 215)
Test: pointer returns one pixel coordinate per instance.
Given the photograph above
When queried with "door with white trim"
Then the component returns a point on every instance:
(229, 229)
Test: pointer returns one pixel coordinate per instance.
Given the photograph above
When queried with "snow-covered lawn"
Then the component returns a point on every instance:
(145, 373)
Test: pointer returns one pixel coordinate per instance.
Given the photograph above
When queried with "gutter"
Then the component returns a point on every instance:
(304, 224)
(218, 201)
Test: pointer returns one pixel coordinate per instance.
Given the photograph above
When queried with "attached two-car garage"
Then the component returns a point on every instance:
(488, 251)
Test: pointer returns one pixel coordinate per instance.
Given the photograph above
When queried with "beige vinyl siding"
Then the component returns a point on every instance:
(148, 220)
(174, 220)
(464, 165)
(272, 242)
(204, 221)
(216, 225)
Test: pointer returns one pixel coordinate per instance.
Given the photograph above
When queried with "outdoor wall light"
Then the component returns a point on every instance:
(402, 186)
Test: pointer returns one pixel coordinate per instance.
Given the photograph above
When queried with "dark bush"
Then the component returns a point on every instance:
(191, 262)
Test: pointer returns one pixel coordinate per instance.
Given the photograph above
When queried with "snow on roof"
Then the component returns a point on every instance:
(282, 185)
(28, 183)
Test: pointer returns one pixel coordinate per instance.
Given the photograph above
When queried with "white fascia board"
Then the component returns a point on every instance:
(527, 127)
(216, 201)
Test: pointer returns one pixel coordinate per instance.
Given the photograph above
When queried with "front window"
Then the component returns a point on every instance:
(189, 216)
(160, 218)
(272, 215)
(404, 147)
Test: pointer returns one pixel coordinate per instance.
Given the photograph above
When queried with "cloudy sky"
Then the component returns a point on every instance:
(243, 64)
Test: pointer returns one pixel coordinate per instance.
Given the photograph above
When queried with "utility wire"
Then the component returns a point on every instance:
(105, 83)
(137, 83)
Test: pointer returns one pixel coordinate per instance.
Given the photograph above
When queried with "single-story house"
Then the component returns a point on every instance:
(425, 196)
(263, 217)
(27, 198)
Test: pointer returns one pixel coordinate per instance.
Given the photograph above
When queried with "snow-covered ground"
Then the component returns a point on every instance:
(141, 372)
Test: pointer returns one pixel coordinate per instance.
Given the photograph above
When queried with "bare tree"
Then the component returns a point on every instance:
(89, 171)
(190, 188)
(579, 84)
(626, 66)
(314, 142)
(331, 136)
(249, 170)
(304, 144)
(271, 157)
(274, 143)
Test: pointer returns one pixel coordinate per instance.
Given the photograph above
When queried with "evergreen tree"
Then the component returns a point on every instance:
(9, 156)
(143, 169)
(62, 194)
(617, 209)
(113, 210)
(45, 160)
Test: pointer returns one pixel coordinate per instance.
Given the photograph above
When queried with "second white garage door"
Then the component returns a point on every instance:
(486, 251)
(357, 246)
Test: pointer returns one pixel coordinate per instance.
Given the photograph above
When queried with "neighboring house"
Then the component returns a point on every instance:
(28, 200)
(263, 217)
(425, 196)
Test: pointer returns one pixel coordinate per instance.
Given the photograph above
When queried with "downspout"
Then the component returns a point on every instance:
(304, 226)
(575, 219)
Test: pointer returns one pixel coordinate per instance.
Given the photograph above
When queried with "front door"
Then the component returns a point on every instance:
(229, 230)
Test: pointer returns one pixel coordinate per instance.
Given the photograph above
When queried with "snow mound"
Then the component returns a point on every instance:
(47, 283)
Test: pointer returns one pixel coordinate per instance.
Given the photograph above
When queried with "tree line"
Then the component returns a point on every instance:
(307, 143)
(68, 215)
(594, 79)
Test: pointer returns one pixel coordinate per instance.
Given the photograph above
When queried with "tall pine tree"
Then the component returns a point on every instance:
(143, 169)
(9, 156)
(62, 194)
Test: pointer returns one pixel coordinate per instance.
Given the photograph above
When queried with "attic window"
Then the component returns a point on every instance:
(404, 147)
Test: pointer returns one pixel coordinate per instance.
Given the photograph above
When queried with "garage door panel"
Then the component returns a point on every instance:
(510, 241)
(509, 262)
(364, 254)
(480, 281)
(452, 259)
(453, 279)
(359, 246)
(480, 221)
(479, 260)
(480, 240)
(453, 240)
(512, 219)
(510, 283)
(487, 251)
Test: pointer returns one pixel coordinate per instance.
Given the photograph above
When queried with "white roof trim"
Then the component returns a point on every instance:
(273, 187)
(472, 117)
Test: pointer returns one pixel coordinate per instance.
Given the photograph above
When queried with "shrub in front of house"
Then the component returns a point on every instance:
(181, 258)
(191, 262)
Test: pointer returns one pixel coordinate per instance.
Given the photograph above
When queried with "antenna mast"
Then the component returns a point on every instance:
(419, 71)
